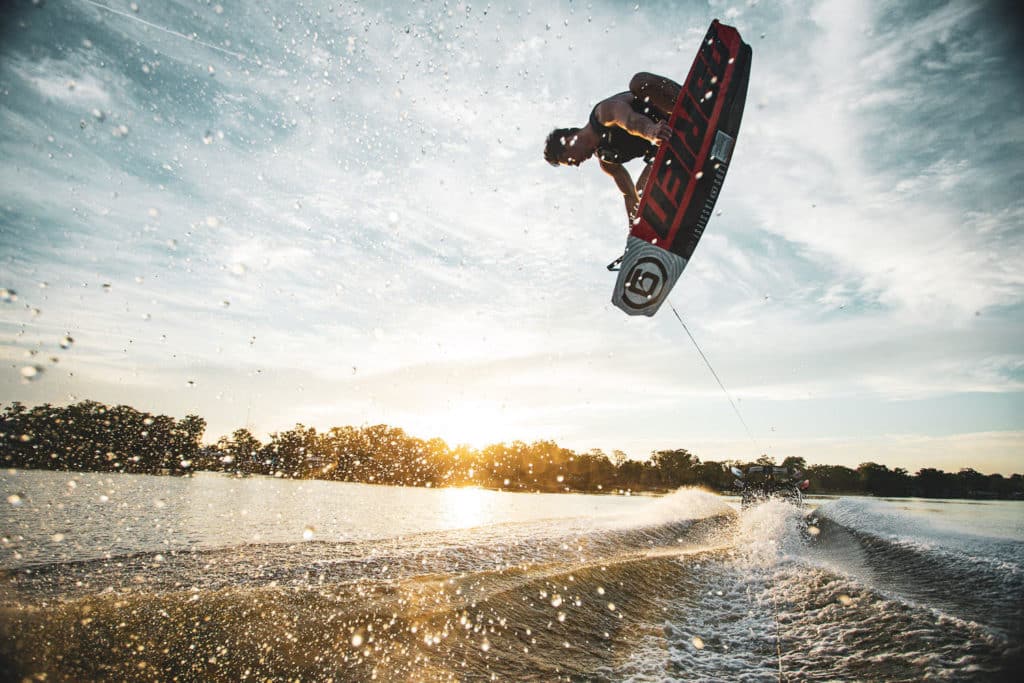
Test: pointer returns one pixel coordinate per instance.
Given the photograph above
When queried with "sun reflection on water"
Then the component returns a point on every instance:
(462, 508)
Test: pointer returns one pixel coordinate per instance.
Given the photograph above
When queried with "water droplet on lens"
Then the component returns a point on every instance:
(31, 373)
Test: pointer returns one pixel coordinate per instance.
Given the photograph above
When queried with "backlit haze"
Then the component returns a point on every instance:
(338, 213)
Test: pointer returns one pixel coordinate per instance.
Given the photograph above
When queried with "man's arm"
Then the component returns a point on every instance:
(624, 182)
(615, 112)
(657, 91)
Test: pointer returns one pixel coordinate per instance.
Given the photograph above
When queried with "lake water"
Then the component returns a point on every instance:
(133, 577)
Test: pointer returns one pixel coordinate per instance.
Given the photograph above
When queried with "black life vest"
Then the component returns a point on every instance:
(619, 146)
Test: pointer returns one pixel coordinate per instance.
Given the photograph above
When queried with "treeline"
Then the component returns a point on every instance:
(91, 436)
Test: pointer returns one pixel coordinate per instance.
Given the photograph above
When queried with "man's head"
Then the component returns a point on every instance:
(565, 148)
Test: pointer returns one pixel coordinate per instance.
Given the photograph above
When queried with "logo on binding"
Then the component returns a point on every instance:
(645, 283)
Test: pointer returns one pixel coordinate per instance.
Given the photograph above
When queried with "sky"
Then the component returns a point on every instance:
(338, 213)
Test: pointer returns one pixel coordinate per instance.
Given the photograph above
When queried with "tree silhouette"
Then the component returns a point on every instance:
(91, 436)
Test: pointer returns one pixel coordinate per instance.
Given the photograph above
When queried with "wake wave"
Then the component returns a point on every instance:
(688, 589)
(961, 573)
(820, 597)
(684, 520)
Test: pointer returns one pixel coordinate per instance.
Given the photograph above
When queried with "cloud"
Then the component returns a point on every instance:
(849, 184)
(56, 80)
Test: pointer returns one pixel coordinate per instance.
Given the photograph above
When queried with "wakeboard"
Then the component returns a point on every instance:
(687, 173)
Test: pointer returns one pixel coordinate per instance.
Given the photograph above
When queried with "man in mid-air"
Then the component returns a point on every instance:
(626, 126)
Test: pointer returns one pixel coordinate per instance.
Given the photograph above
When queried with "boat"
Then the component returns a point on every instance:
(758, 483)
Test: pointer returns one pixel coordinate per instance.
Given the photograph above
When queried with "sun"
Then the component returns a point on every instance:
(474, 424)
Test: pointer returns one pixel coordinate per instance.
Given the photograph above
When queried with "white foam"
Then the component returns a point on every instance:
(681, 505)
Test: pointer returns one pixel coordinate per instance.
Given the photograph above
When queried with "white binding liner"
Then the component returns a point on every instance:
(646, 276)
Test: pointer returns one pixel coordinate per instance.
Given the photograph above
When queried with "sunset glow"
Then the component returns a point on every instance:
(471, 424)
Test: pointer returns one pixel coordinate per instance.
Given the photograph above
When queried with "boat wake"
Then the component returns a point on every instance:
(691, 589)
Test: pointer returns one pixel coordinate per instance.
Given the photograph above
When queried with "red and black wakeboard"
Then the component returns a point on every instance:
(687, 173)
